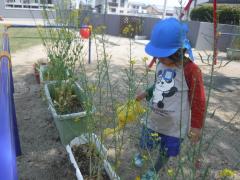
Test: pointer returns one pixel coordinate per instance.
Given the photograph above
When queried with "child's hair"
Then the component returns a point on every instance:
(178, 55)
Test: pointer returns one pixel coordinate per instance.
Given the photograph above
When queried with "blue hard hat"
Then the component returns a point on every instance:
(167, 37)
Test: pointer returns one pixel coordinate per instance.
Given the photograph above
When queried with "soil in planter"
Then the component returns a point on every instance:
(86, 154)
(66, 99)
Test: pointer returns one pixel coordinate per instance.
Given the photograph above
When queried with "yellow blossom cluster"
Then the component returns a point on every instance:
(226, 173)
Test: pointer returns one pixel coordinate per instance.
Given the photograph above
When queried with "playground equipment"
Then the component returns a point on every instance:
(9, 138)
(85, 32)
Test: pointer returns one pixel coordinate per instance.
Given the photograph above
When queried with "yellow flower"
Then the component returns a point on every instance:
(132, 61)
(125, 30)
(92, 88)
(144, 59)
(138, 178)
(170, 172)
(227, 173)
(154, 134)
(77, 119)
(90, 27)
(145, 157)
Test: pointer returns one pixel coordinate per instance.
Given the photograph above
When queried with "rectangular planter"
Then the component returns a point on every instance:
(233, 54)
(84, 139)
(67, 125)
(52, 108)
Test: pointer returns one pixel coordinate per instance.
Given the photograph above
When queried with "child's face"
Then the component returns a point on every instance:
(167, 62)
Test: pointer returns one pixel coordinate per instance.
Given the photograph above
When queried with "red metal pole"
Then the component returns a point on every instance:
(152, 62)
(185, 9)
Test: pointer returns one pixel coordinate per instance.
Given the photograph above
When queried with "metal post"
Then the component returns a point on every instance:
(89, 49)
(106, 3)
(9, 142)
(195, 3)
(164, 8)
(215, 31)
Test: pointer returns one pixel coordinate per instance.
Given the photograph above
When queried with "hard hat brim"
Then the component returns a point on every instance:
(158, 52)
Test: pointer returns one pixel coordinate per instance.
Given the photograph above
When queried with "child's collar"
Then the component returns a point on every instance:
(186, 60)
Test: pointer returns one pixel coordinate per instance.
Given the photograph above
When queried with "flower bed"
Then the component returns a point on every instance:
(80, 144)
(77, 108)
(70, 124)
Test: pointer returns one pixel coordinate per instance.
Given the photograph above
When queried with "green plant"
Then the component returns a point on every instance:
(65, 98)
(22, 38)
(63, 52)
(227, 14)
(131, 29)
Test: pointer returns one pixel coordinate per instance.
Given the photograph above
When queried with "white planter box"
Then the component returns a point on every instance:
(233, 54)
(53, 110)
(84, 139)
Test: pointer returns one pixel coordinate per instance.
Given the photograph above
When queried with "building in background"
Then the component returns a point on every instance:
(136, 8)
(26, 9)
(28, 4)
(86, 4)
(111, 6)
(132, 7)
(159, 11)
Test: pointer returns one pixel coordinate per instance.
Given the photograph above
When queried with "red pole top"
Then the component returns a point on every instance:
(85, 32)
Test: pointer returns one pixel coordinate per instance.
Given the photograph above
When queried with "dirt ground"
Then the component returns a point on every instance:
(43, 155)
(45, 158)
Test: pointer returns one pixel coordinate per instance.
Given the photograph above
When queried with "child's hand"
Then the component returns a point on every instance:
(194, 135)
(141, 96)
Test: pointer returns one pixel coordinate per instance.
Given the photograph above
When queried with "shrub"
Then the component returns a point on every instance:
(226, 14)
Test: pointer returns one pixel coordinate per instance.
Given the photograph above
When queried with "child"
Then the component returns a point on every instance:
(177, 97)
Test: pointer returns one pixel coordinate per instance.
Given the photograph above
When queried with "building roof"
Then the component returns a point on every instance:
(137, 3)
(160, 8)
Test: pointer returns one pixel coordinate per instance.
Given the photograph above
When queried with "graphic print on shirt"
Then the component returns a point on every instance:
(164, 86)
